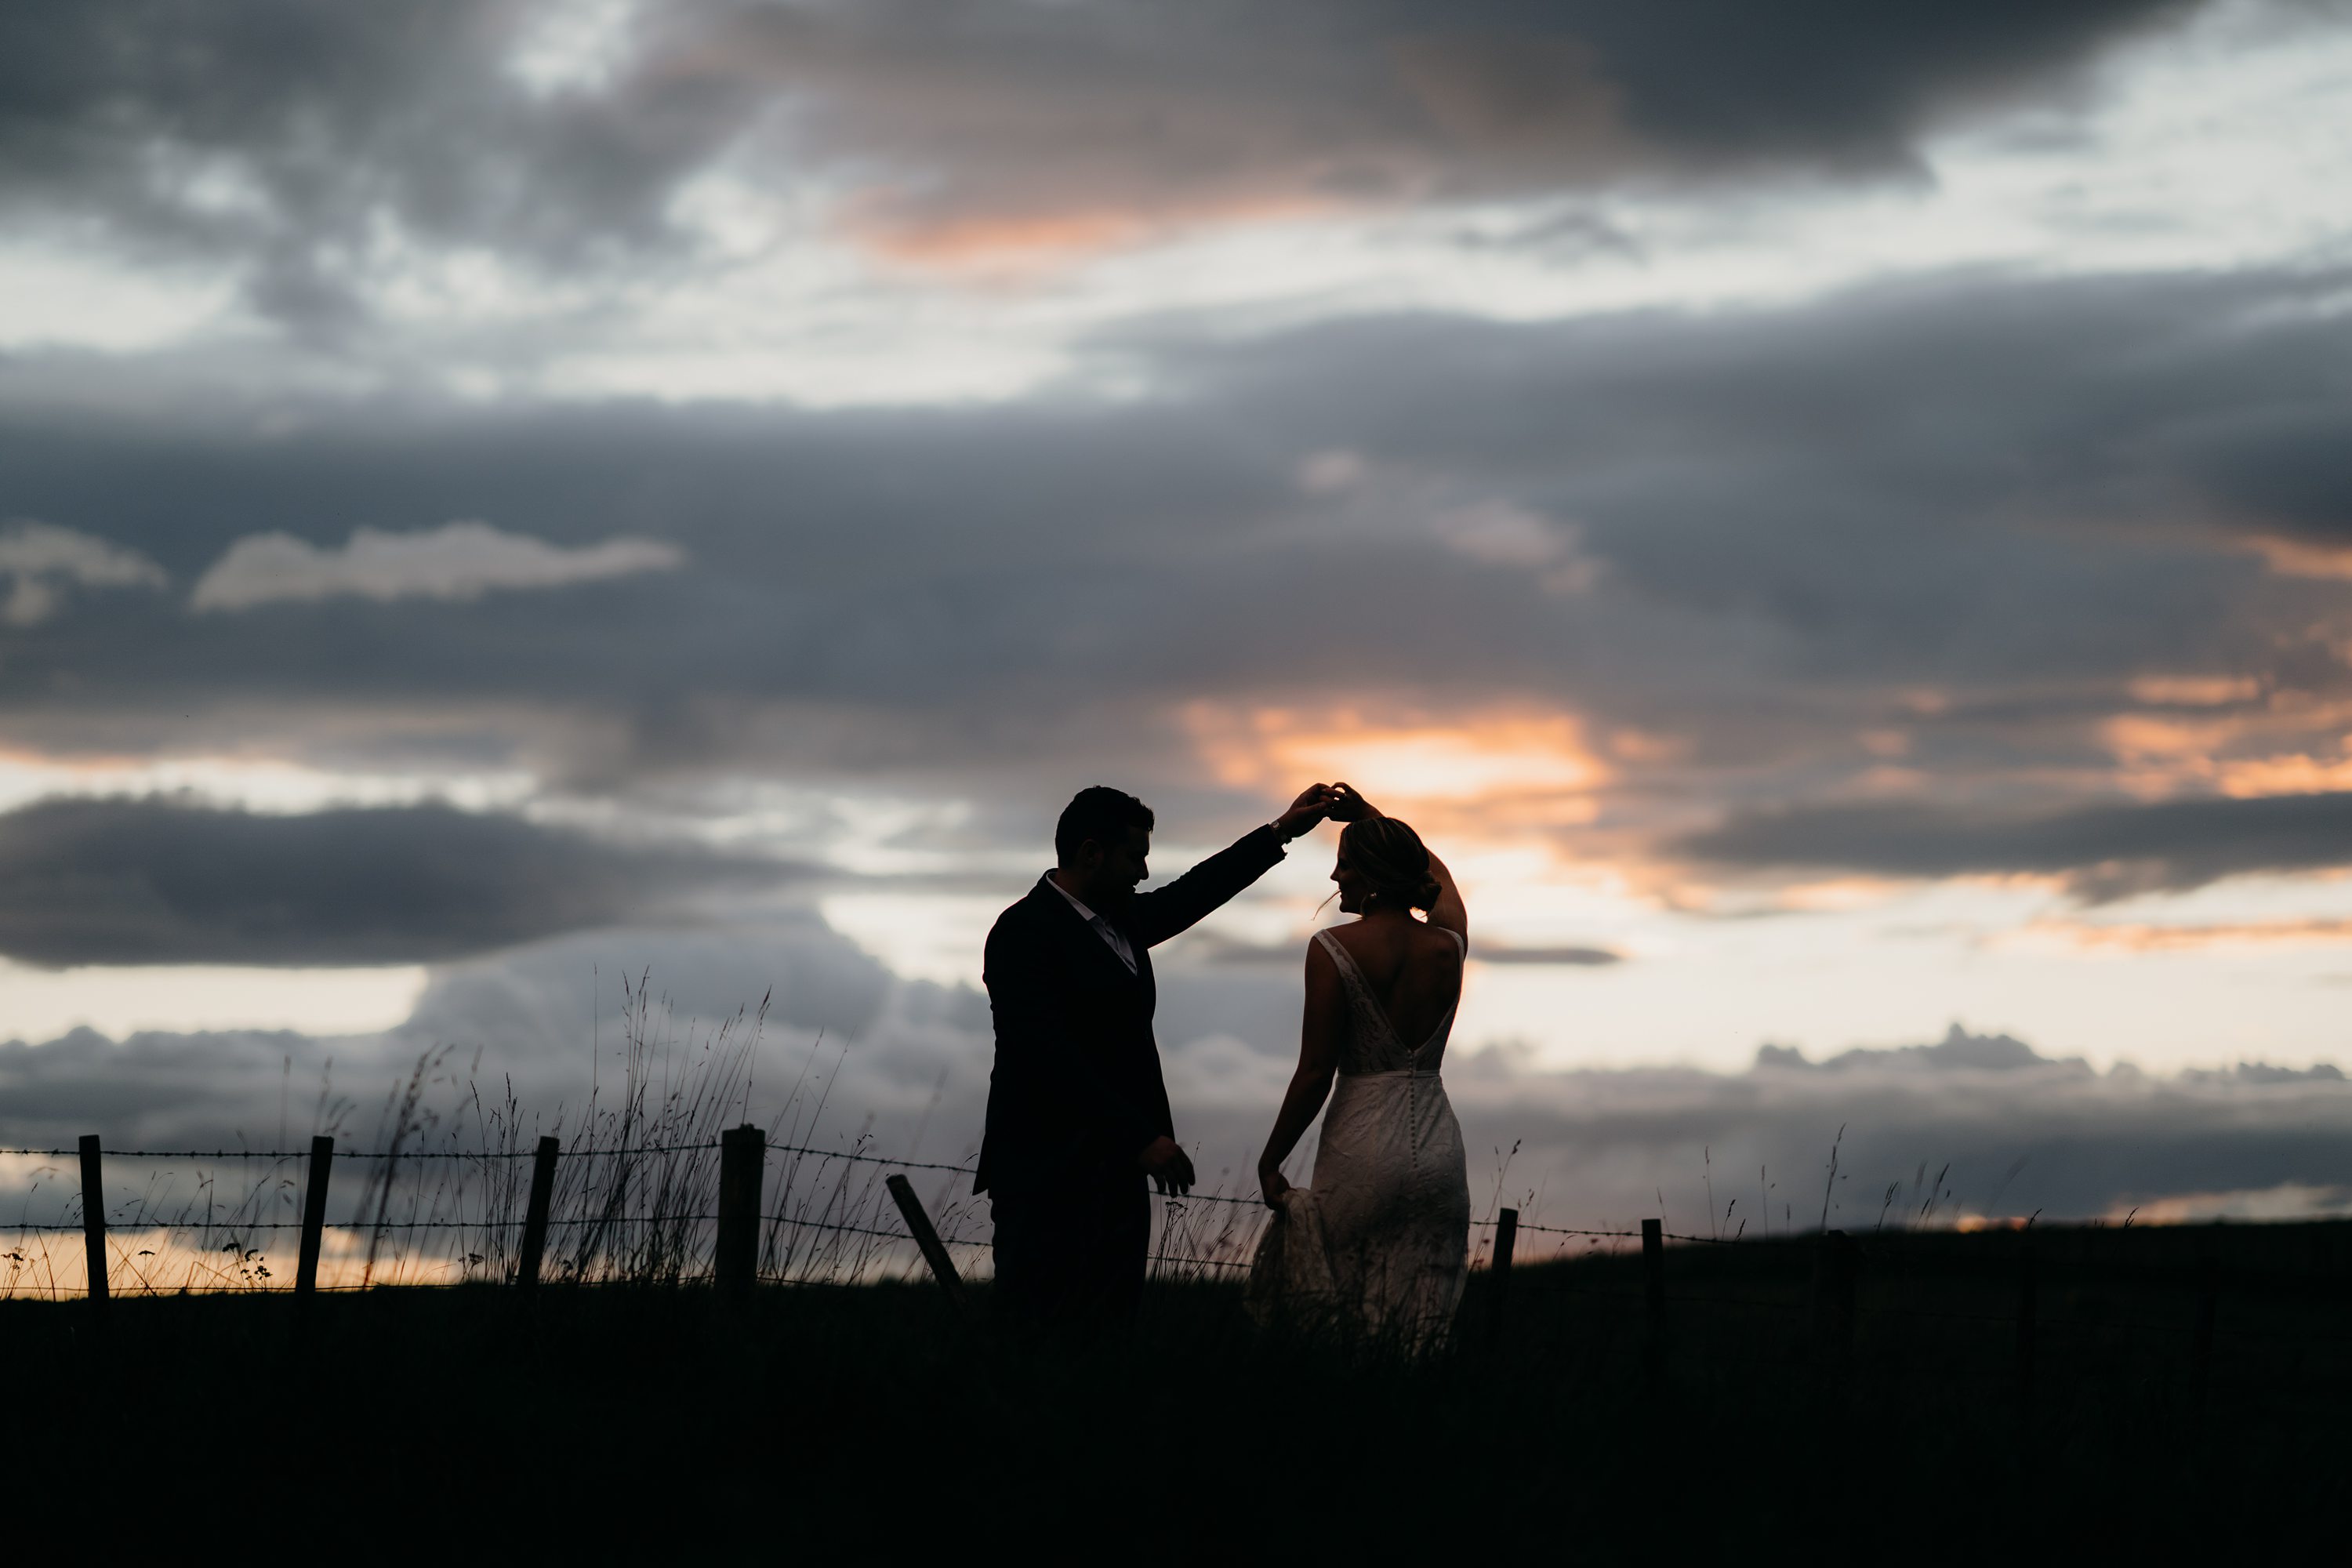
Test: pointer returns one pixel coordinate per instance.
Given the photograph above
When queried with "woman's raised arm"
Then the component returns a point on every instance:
(1449, 911)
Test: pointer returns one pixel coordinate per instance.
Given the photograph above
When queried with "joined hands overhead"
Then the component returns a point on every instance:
(1347, 806)
(1338, 802)
(1314, 802)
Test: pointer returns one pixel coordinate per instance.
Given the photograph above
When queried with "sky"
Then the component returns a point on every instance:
(1835, 520)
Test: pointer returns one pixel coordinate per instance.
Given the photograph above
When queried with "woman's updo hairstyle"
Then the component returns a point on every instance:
(1391, 859)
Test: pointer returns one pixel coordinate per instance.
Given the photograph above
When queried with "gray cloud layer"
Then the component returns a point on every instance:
(1756, 536)
(285, 138)
(1011, 113)
(160, 881)
(1214, 949)
(1781, 549)
(551, 1019)
(272, 134)
(2009, 1131)
(2104, 852)
(2048, 1136)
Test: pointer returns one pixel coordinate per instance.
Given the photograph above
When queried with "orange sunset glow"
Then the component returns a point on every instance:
(1532, 770)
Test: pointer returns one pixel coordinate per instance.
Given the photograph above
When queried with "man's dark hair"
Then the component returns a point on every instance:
(1101, 813)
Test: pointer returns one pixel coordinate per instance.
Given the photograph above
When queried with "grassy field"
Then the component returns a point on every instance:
(867, 1419)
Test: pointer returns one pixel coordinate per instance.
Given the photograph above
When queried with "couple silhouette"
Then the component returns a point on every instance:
(1079, 1126)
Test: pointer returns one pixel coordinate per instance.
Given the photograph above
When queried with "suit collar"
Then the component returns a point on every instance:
(1048, 891)
(1086, 911)
(1060, 908)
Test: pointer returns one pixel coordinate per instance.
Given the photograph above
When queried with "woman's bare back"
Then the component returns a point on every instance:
(1413, 971)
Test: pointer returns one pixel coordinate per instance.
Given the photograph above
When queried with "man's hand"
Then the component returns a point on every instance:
(1171, 1167)
(1308, 809)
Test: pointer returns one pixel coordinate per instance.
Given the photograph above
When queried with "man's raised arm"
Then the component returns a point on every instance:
(1158, 915)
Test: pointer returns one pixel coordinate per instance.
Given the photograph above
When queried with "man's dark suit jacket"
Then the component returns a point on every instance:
(1076, 1094)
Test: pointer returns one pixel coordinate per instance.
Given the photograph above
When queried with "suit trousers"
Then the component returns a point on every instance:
(1072, 1259)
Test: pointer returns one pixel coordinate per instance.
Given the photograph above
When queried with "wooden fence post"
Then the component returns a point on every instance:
(742, 1152)
(1498, 1272)
(2201, 1349)
(1654, 1302)
(534, 1218)
(1833, 1270)
(2028, 1311)
(314, 1217)
(93, 1218)
(919, 1225)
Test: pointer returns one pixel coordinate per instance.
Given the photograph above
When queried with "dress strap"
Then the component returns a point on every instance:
(1351, 974)
(1373, 1021)
(1348, 972)
(1349, 978)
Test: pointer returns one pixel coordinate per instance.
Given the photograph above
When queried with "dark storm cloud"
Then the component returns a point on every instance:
(1218, 950)
(274, 133)
(2283, 464)
(2015, 493)
(2010, 1131)
(2104, 852)
(1958, 1051)
(536, 1000)
(549, 1022)
(1571, 957)
(2010, 1139)
(157, 1083)
(1010, 115)
(282, 136)
(160, 881)
(2013, 1131)
(2009, 491)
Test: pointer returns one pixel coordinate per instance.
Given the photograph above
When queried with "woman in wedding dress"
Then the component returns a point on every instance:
(1379, 1244)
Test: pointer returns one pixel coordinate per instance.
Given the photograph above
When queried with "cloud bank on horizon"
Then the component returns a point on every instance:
(1835, 517)
(2004, 1131)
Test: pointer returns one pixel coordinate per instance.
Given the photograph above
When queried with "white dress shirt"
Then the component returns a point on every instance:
(1111, 935)
(1103, 928)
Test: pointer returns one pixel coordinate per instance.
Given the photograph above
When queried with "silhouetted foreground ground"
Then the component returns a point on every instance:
(865, 1420)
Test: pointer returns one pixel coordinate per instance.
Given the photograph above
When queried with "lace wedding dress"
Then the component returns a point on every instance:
(1379, 1242)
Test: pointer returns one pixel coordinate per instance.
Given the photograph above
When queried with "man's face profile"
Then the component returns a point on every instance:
(1111, 872)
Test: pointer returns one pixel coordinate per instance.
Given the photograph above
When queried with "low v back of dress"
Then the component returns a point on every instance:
(1380, 1240)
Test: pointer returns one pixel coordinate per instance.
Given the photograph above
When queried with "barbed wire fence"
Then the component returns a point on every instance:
(739, 1210)
(639, 1212)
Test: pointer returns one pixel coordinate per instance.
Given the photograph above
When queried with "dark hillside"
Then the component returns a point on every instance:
(2180, 1380)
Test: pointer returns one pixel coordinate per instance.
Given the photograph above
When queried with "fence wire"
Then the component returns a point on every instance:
(784, 1231)
(585, 1151)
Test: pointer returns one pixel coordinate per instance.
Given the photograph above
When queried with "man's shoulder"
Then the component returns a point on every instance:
(1021, 917)
(1021, 947)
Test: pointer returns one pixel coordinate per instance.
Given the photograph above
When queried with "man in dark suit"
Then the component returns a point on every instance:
(1077, 1112)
